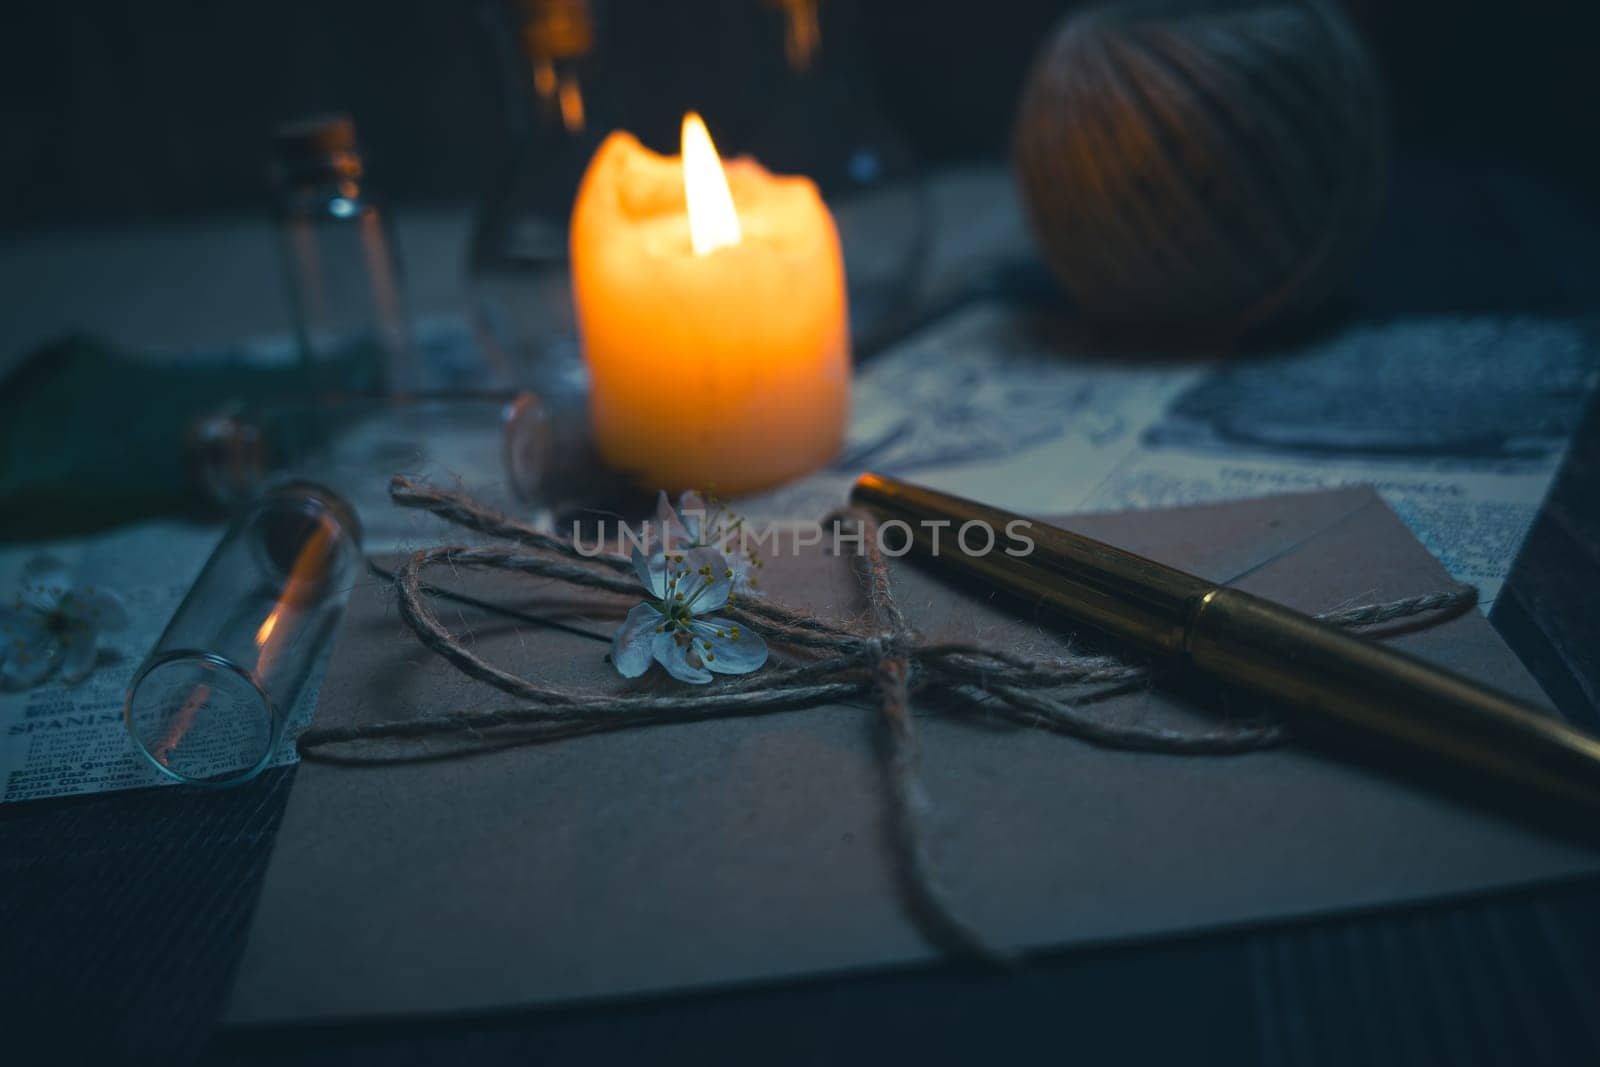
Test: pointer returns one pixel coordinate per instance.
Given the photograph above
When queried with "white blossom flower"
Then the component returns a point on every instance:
(697, 523)
(675, 628)
(51, 625)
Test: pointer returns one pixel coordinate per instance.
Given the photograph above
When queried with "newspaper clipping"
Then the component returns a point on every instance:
(1459, 423)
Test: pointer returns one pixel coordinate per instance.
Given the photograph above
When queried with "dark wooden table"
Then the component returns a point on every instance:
(122, 916)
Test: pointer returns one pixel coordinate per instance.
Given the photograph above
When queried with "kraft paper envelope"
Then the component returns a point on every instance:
(693, 856)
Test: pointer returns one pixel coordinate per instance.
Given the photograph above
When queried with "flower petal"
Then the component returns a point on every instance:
(713, 589)
(692, 513)
(674, 533)
(17, 620)
(102, 609)
(744, 577)
(630, 647)
(45, 580)
(651, 571)
(28, 651)
(78, 654)
(727, 654)
(675, 658)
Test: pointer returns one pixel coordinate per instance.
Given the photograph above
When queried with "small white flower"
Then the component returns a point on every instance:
(694, 523)
(52, 625)
(675, 628)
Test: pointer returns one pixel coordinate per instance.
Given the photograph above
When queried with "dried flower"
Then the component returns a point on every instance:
(674, 626)
(705, 522)
(52, 625)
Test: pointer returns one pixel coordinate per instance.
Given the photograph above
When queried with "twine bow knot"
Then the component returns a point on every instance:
(886, 660)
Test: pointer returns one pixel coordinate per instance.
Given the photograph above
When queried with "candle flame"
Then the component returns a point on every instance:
(713, 222)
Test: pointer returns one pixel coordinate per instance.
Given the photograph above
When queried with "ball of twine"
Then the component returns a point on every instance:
(1205, 167)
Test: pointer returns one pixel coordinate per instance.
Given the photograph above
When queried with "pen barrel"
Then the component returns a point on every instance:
(1117, 592)
(1321, 674)
(1318, 674)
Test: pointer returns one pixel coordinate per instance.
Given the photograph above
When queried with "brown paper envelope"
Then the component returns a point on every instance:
(747, 850)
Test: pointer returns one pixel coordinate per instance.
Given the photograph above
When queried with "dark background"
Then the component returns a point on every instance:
(118, 111)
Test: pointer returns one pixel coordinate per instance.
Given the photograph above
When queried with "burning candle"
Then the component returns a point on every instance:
(711, 303)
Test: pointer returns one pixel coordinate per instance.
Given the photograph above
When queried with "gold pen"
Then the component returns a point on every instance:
(1318, 674)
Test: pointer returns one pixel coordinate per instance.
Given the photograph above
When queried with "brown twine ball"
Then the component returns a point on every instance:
(1202, 166)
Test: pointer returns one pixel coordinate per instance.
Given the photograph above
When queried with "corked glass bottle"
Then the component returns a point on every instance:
(339, 253)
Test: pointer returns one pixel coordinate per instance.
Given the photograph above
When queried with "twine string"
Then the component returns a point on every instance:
(885, 660)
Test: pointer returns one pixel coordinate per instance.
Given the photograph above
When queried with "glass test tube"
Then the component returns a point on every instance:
(208, 705)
